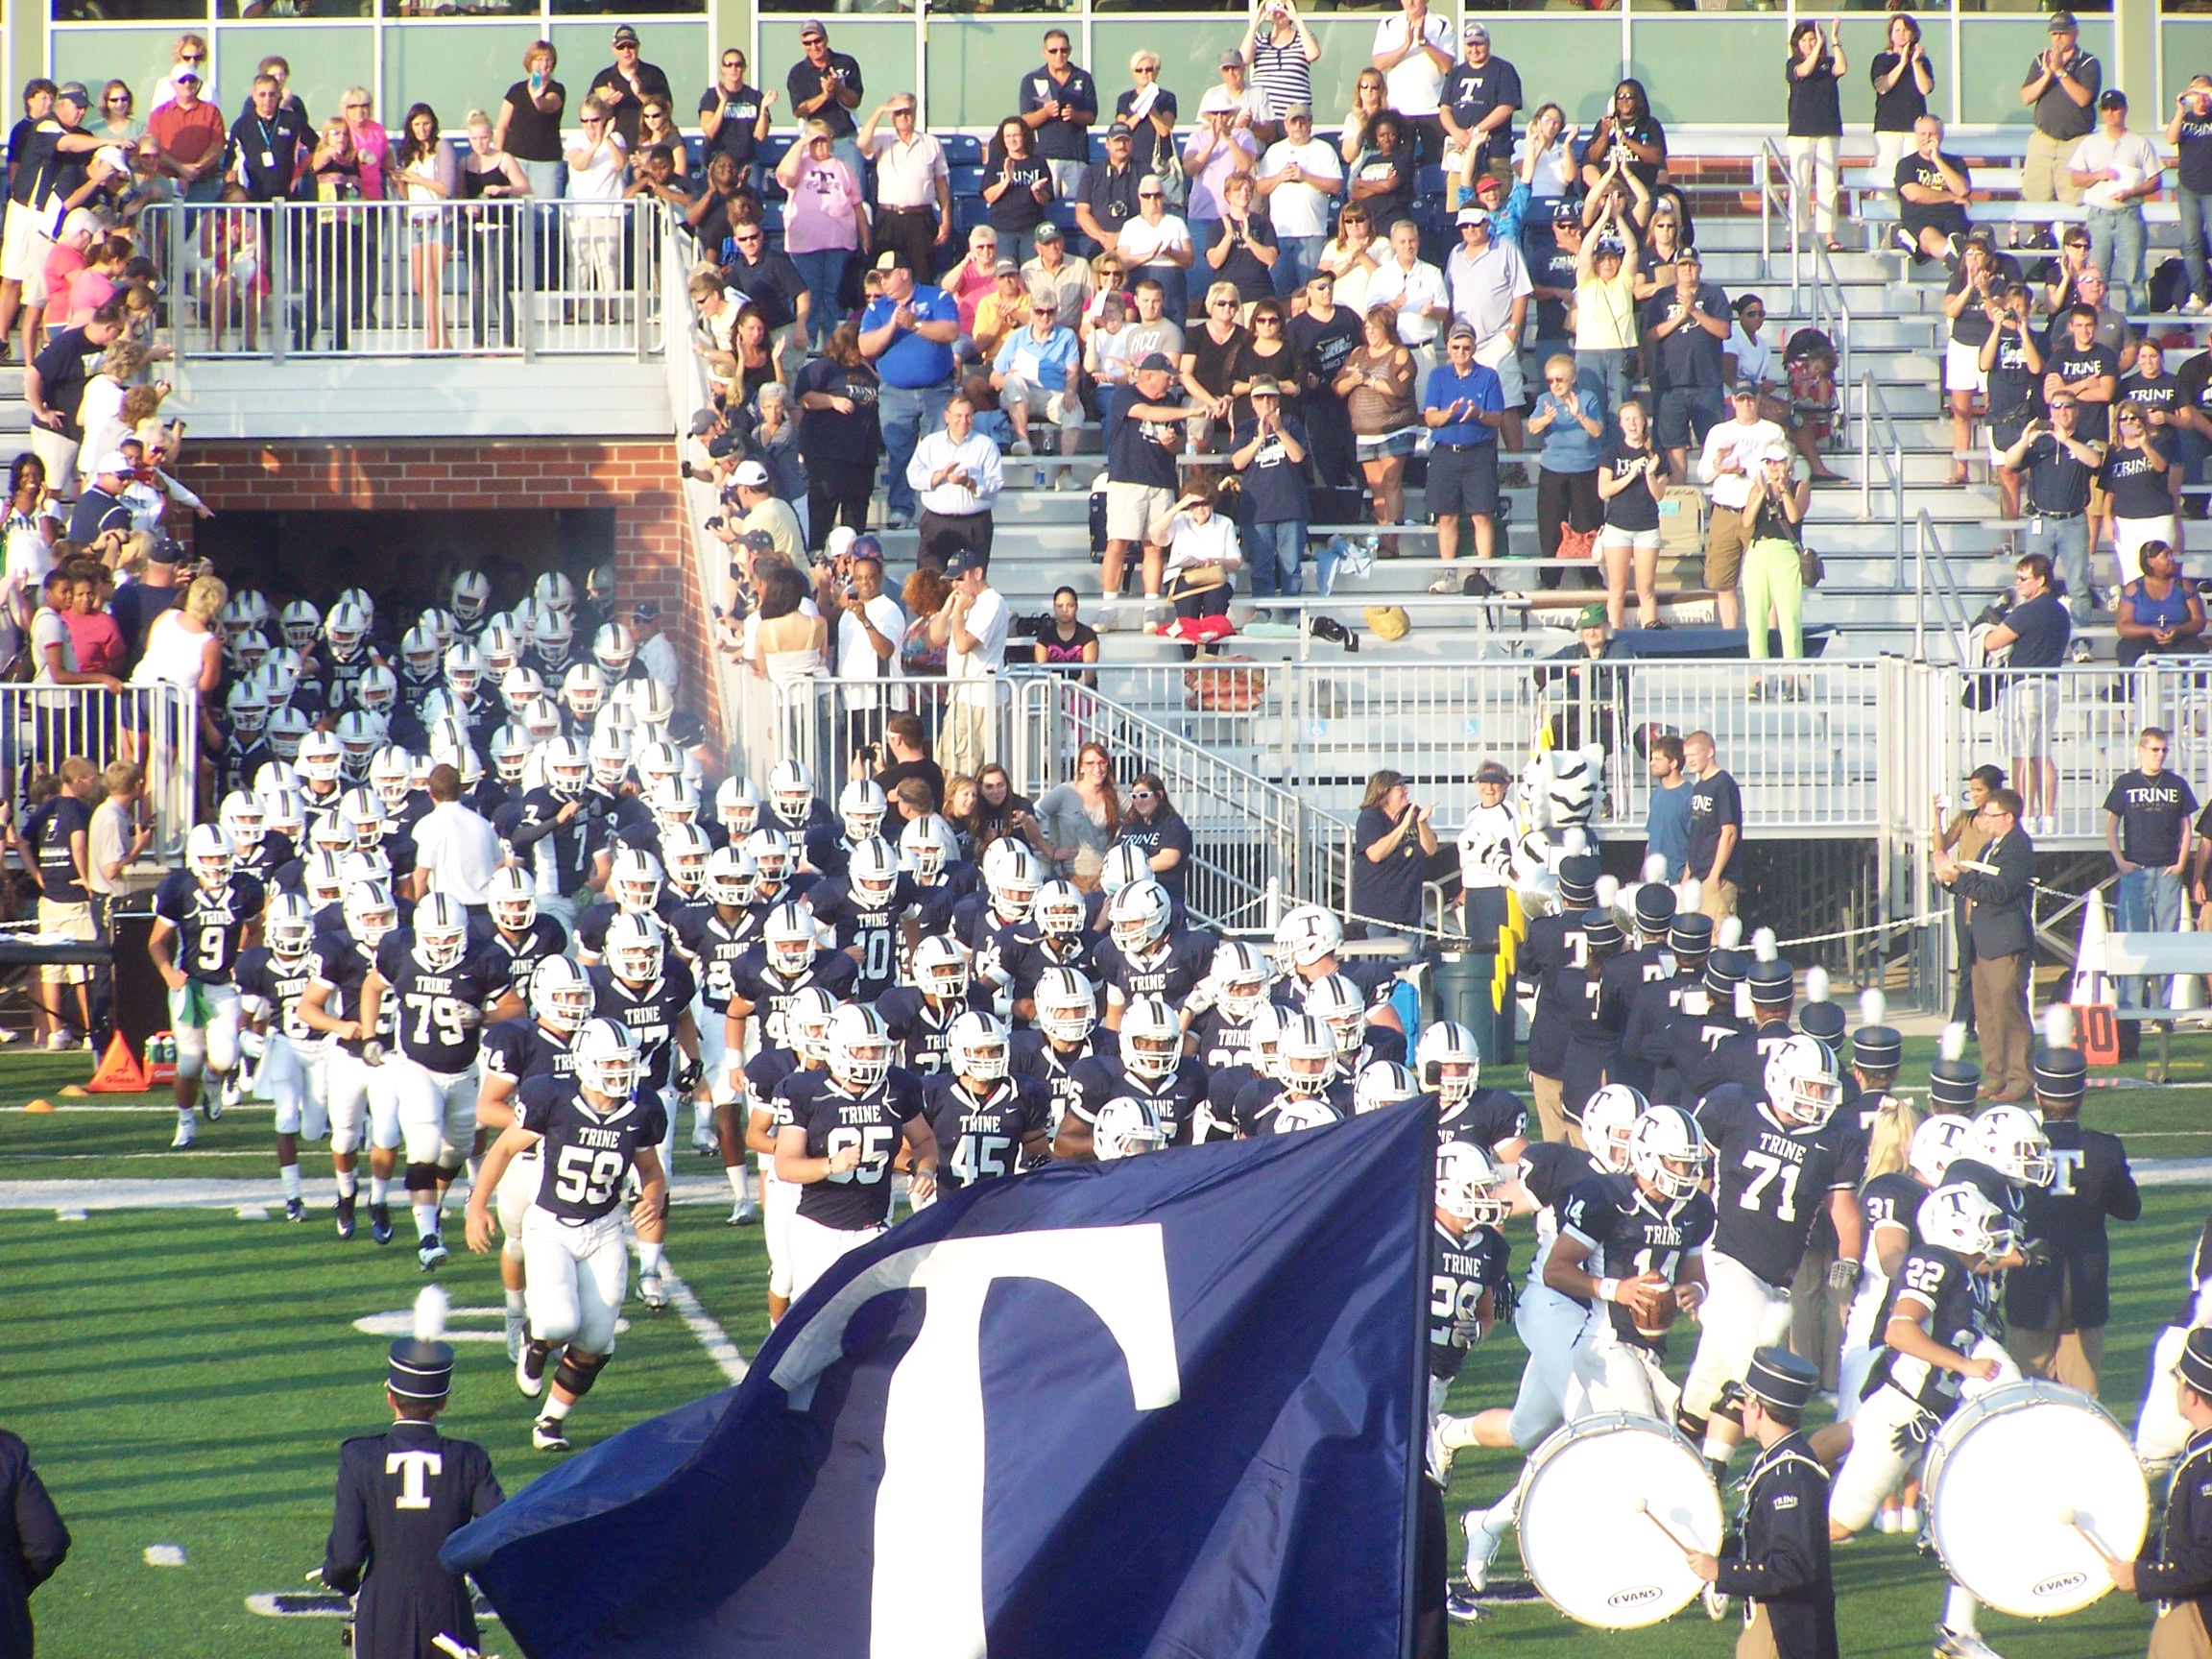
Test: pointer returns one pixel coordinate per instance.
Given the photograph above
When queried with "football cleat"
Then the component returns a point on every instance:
(743, 1214)
(380, 1223)
(295, 1209)
(343, 1214)
(1459, 1606)
(530, 1368)
(651, 1291)
(1953, 1644)
(548, 1435)
(704, 1143)
(430, 1252)
(1483, 1544)
(183, 1137)
(226, 1096)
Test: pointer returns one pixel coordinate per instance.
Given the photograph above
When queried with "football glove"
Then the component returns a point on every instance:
(1843, 1274)
(371, 1052)
(1466, 1331)
(689, 1071)
(1911, 1436)
(1504, 1298)
(2035, 1252)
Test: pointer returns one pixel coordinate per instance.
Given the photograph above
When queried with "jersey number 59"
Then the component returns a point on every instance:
(584, 1176)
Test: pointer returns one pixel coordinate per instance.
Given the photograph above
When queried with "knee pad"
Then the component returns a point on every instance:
(421, 1177)
(191, 1051)
(222, 1046)
(1694, 1426)
(447, 1172)
(575, 1375)
(1728, 1404)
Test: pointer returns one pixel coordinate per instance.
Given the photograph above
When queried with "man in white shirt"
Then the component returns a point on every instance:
(2116, 171)
(1413, 51)
(1731, 453)
(1486, 843)
(871, 627)
(1490, 290)
(656, 651)
(972, 627)
(455, 850)
(1416, 290)
(913, 186)
(957, 476)
(1300, 178)
(762, 509)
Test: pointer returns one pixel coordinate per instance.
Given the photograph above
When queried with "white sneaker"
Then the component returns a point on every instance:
(1020, 446)
(547, 1434)
(59, 1039)
(184, 1133)
(1909, 1518)
(1109, 617)
(1715, 1603)
(2192, 306)
(1439, 1452)
(743, 1214)
(702, 1144)
(1482, 1549)
(1953, 1644)
(531, 1382)
(650, 1290)
(1885, 1521)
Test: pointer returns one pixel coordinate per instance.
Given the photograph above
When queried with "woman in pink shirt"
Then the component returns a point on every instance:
(372, 145)
(969, 280)
(94, 285)
(95, 636)
(823, 226)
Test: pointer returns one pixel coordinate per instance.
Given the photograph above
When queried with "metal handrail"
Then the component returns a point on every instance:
(1773, 162)
(1880, 440)
(1938, 575)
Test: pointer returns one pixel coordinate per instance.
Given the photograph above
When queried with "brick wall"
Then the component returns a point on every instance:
(638, 480)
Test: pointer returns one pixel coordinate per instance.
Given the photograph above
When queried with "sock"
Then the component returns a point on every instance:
(556, 1408)
(1718, 1451)
(475, 1165)
(184, 1116)
(426, 1221)
(739, 1184)
(1958, 1607)
(514, 1302)
(379, 1188)
(702, 1117)
(289, 1174)
(649, 1256)
(1456, 1432)
(349, 1182)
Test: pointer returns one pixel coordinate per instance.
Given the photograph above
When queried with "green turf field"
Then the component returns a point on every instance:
(185, 1376)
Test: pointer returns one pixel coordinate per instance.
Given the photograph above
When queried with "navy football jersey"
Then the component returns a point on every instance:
(511, 964)
(651, 1013)
(591, 926)
(1374, 982)
(1549, 1170)
(1222, 1043)
(1172, 970)
(764, 1073)
(1891, 1199)
(869, 936)
(1628, 1236)
(1484, 1119)
(268, 855)
(1939, 1281)
(1650, 1005)
(211, 922)
(1461, 1272)
(243, 762)
(715, 944)
(919, 1029)
(770, 993)
(993, 946)
(1266, 1107)
(341, 963)
(1031, 960)
(560, 855)
(983, 1140)
(835, 1118)
(1175, 1097)
(1033, 1054)
(1742, 1059)
(1773, 1180)
(278, 983)
(315, 806)
(435, 1027)
(523, 1049)
(828, 850)
(587, 1154)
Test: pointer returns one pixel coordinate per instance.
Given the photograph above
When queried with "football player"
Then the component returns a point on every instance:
(1336, 1002)
(931, 854)
(838, 1132)
(713, 936)
(1058, 919)
(259, 851)
(1448, 1067)
(861, 808)
(635, 887)
(650, 994)
(364, 1101)
(520, 942)
(556, 835)
(203, 916)
(1305, 947)
(345, 653)
(1151, 1069)
(787, 960)
(1631, 1250)
(1226, 1085)
(271, 980)
(594, 1132)
(803, 1047)
(1234, 990)
(737, 807)
(918, 1016)
(793, 806)
(985, 1120)
(1682, 1047)
(780, 881)
(864, 907)
(1308, 1090)
(514, 1051)
(1143, 957)
(993, 924)
(439, 994)
(1061, 1039)
(1468, 1272)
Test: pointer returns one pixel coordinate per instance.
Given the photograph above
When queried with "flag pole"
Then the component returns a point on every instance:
(1425, 1223)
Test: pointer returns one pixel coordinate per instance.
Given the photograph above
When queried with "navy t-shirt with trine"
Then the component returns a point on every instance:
(1713, 802)
(1144, 451)
(2151, 811)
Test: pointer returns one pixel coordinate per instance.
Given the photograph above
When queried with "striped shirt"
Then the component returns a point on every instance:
(1281, 74)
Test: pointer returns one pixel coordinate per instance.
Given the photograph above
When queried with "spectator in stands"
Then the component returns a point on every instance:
(733, 118)
(2135, 490)
(1932, 191)
(1731, 456)
(1057, 103)
(2012, 364)
(624, 86)
(1815, 72)
(1369, 100)
(1241, 249)
(1149, 108)
(372, 145)
(1279, 51)
(137, 604)
(1247, 101)
(1570, 419)
(1151, 329)
(1078, 821)
(771, 281)
(1157, 246)
(92, 632)
(825, 224)
(1632, 475)
(427, 172)
(53, 649)
(840, 437)
(655, 130)
(101, 410)
(2147, 814)
(1903, 78)
(906, 751)
(49, 176)
(1106, 191)
(54, 387)
(913, 185)
(1748, 356)
(1972, 302)
(1212, 359)
(1298, 177)
(189, 49)
(1666, 812)
(1034, 374)
(1395, 841)
(654, 172)
(1464, 412)
(1477, 103)
(957, 475)
(1222, 147)
(787, 640)
(100, 520)
(907, 332)
(2036, 630)
(271, 147)
(1269, 458)
(974, 274)
(1383, 176)
(1604, 309)
(1144, 427)
(869, 625)
(1490, 291)
(1684, 328)
(972, 627)
(2190, 133)
(1065, 639)
(1773, 548)
(2083, 365)
(656, 651)
(596, 171)
(529, 123)
(1377, 384)
(188, 133)
(2062, 83)
(1052, 271)
(1202, 557)
(1002, 312)
(1413, 53)
(1716, 810)
(761, 509)
(1629, 125)
(2116, 171)
(826, 86)
(2159, 613)
(1326, 334)
(1016, 184)
(1154, 827)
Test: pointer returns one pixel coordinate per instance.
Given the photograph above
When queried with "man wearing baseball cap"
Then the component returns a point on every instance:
(1106, 193)
(1463, 408)
(906, 333)
(190, 138)
(625, 84)
(99, 511)
(825, 86)
(1299, 178)
(1146, 422)
(760, 508)
(47, 177)
(2117, 170)
(972, 628)
(1479, 97)
(2061, 88)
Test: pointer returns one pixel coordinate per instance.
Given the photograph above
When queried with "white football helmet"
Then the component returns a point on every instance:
(511, 748)
(282, 814)
(1058, 910)
(1151, 1038)
(607, 1059)
(1957, 1218)
(1138, 916)
(290, 926)
(541, 719)
(472, 593)
(939, 967)
(771, 854)
(861, 806)
(610, 756)
(635, 948)
(1467, 1183)
(2011, 1141)
(300, 622)
(859, 1046)
(243, 821)
(1011, 873)
(554, 590)
(209, 854)
(442, 628)
(500, 646)
(1125, 863)
(363, 816)
(1609, 1124)
(1305, 936)
(325, 879)
(1266, 1051)
(806, 1024)
(977, 1046)
(440, 933)
(567, 773)
(791, 794)
(928, 844)
(1126, 1128)
(873, 873)
(464, 669)
(1447, 1060)
(611, 649)
(561, 994)
(330, 833)
(687, 849)
(787, 938)
(391, 774)
(633, 883)
(1668, 1150)
(370, 913)
(655, 764)
(1305, 1055)
(738, 807)
(321, 758)
(732, 876)
(248, 706)
(360, 734)
(1240, 977)
(650, 703)
(584, 689)
(520, 687)
(345, 628)
(1941, 1137)
(1802, 1084)
(1066, 1005)
(1336, 1001)
(513, 899)
(419, 652)
(1383, 1083)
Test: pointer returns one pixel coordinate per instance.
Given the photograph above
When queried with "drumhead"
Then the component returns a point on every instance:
(2003, 1470)
(1587, 1551)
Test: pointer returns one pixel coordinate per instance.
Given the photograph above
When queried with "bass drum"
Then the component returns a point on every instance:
(1587, 1549)
(2003, 1474)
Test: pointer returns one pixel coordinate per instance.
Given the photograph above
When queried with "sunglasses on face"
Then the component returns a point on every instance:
(1221, 305)
(733, 62)
(1150, 196)
(1266, 322)
(1142, 794)
(1055, 50)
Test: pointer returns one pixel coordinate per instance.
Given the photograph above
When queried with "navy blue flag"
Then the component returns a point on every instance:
(1160, 1406)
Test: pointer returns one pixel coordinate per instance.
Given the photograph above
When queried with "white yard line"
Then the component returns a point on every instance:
(700, 1323)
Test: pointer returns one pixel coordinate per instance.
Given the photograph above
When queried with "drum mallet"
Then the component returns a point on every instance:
(2066, 1517)
(1643, 1509)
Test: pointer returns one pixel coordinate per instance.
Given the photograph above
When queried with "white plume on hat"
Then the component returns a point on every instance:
(1655, 866)
(1952, 1045)
(2058, 1026)
(1873, 1006)
(1762, 946)
(1608, 890)
(1816, 984)
(430, 1309)
(1693, 899)
(1729, 935)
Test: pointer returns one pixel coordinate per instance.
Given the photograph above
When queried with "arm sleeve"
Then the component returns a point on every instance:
(526, 834)
(2122, 1201)
(347, 1554)
(1788, 1566)
(39, 1524)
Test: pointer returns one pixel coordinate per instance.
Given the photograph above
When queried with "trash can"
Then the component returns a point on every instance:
(1459, 983)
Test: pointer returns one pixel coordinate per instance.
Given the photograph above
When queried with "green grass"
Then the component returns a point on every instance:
(185, 1377)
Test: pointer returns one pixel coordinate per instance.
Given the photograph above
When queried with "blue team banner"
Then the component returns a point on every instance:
(1160, 1406)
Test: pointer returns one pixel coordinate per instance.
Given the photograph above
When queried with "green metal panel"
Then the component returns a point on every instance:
(585, 45)
(140, 57)
(455, 70)
(1993, 57)
(883, 47)
(976, 67)
(326, 59)
(2186, 49)
(1712, 68)
(1572, 61)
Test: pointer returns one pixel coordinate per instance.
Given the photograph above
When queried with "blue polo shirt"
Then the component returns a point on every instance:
(912, 362)
(1479, 386)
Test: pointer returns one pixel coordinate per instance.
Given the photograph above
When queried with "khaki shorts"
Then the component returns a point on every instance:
(1724, 548)
(24, 244)
(71, 921)
(1131, 508)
